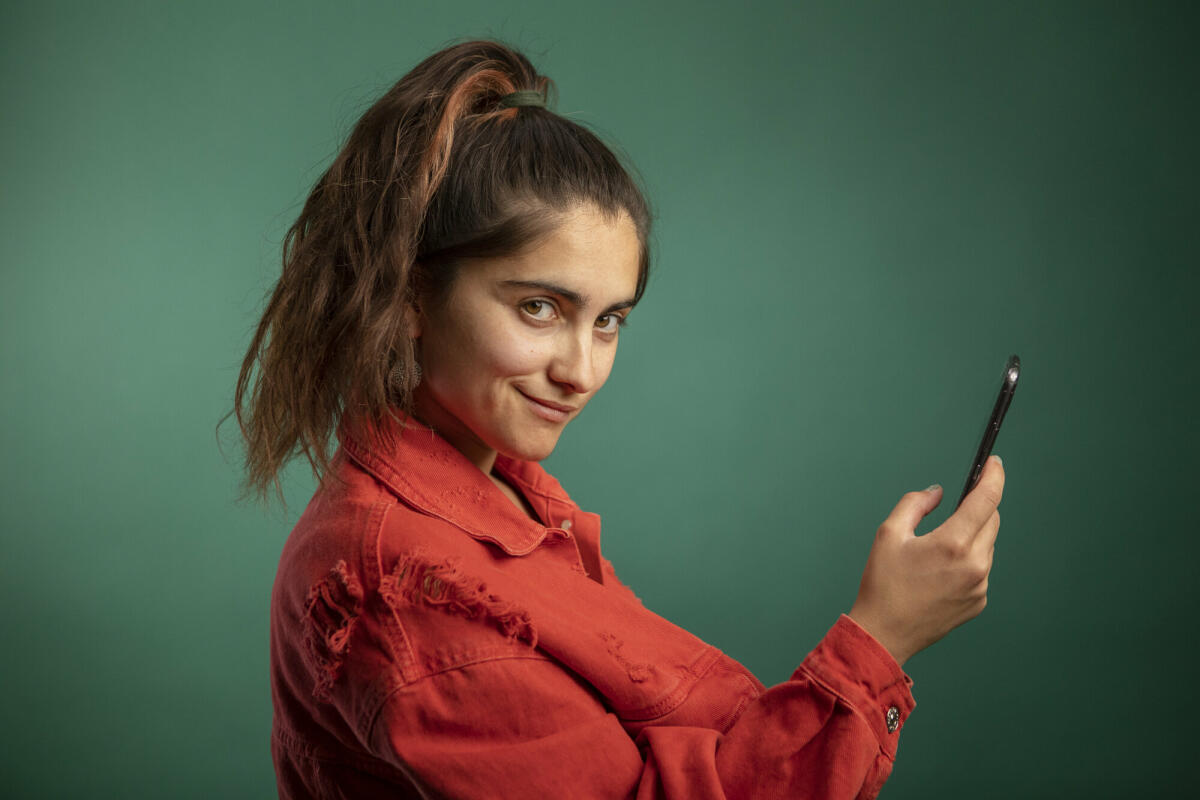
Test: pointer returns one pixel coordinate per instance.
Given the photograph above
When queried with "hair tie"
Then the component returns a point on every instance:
(523, 97)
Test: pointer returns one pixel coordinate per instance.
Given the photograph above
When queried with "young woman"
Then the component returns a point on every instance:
(443, 623)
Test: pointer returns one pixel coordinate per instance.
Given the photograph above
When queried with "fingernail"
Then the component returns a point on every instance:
(933, 487)
(998, 459)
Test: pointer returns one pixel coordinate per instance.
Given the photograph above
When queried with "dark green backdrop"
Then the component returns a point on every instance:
(863, 209)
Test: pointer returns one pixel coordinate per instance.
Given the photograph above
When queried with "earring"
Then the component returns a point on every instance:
(399, 373)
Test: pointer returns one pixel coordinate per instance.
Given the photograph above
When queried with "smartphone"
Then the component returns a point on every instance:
(1008, 385)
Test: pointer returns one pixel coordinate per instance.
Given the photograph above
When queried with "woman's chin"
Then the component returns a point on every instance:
(528, 450)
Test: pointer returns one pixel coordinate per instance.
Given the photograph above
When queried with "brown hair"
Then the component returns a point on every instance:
(434, 173)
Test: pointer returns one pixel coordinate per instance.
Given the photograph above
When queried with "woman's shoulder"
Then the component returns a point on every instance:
(336, 526)
(373, 592)
(358, 530)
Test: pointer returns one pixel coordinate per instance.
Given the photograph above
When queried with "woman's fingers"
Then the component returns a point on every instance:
(981, 503)
(984, 546)
(986, 538)
(911, 509)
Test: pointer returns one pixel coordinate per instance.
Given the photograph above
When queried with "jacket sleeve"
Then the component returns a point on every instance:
(526, 727)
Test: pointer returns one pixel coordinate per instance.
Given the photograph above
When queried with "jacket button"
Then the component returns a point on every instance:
(893, 719)
(565, 525)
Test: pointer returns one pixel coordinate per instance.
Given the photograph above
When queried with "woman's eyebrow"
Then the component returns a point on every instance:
(574, 298)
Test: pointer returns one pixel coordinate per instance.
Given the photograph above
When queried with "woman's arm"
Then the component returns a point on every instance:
(492, 718)
(525, 727)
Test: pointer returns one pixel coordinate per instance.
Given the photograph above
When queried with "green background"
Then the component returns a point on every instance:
(863, 209)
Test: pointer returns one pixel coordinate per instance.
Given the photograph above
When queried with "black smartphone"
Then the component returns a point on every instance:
(1008, 385)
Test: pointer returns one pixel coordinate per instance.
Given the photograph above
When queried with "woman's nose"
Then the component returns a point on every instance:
(573, 366)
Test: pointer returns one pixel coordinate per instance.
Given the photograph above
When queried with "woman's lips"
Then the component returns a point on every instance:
(554, 412)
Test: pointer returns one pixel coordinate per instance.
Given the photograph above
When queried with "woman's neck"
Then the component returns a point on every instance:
(446, 425)
(431, 414)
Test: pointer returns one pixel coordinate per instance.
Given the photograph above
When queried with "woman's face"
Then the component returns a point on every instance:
(520, 344)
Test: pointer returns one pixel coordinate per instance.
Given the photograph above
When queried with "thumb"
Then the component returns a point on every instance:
(912, 508)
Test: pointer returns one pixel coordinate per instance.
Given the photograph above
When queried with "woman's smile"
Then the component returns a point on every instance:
(554, 412)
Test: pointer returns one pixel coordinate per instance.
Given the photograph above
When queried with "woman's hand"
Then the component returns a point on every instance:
(916, 589)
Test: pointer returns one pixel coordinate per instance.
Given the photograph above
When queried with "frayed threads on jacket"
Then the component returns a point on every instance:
(420, 576)
(333, 606)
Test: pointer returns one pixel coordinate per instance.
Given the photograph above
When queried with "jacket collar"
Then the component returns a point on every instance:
(431, 475)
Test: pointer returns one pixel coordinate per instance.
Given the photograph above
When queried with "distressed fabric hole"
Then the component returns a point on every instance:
(332, 607)
(637, 672)
(422, 577)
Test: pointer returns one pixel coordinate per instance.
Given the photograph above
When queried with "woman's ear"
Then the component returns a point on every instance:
(412, 320)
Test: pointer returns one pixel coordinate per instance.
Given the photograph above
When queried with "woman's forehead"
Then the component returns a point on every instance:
(593, 257)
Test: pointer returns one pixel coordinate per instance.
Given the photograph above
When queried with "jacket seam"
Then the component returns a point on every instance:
(854, 709)
(370, 731)
(677, 696)
(394, 628)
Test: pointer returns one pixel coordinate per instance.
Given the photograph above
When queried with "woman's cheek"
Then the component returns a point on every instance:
(603, 359)
(516, 352)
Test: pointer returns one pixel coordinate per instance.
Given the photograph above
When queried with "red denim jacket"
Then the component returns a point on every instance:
(429, 639)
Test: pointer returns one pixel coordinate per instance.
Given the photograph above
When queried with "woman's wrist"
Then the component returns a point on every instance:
(877, 631)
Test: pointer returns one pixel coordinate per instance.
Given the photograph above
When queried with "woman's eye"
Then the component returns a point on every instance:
(610, 323)
(538, 309)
